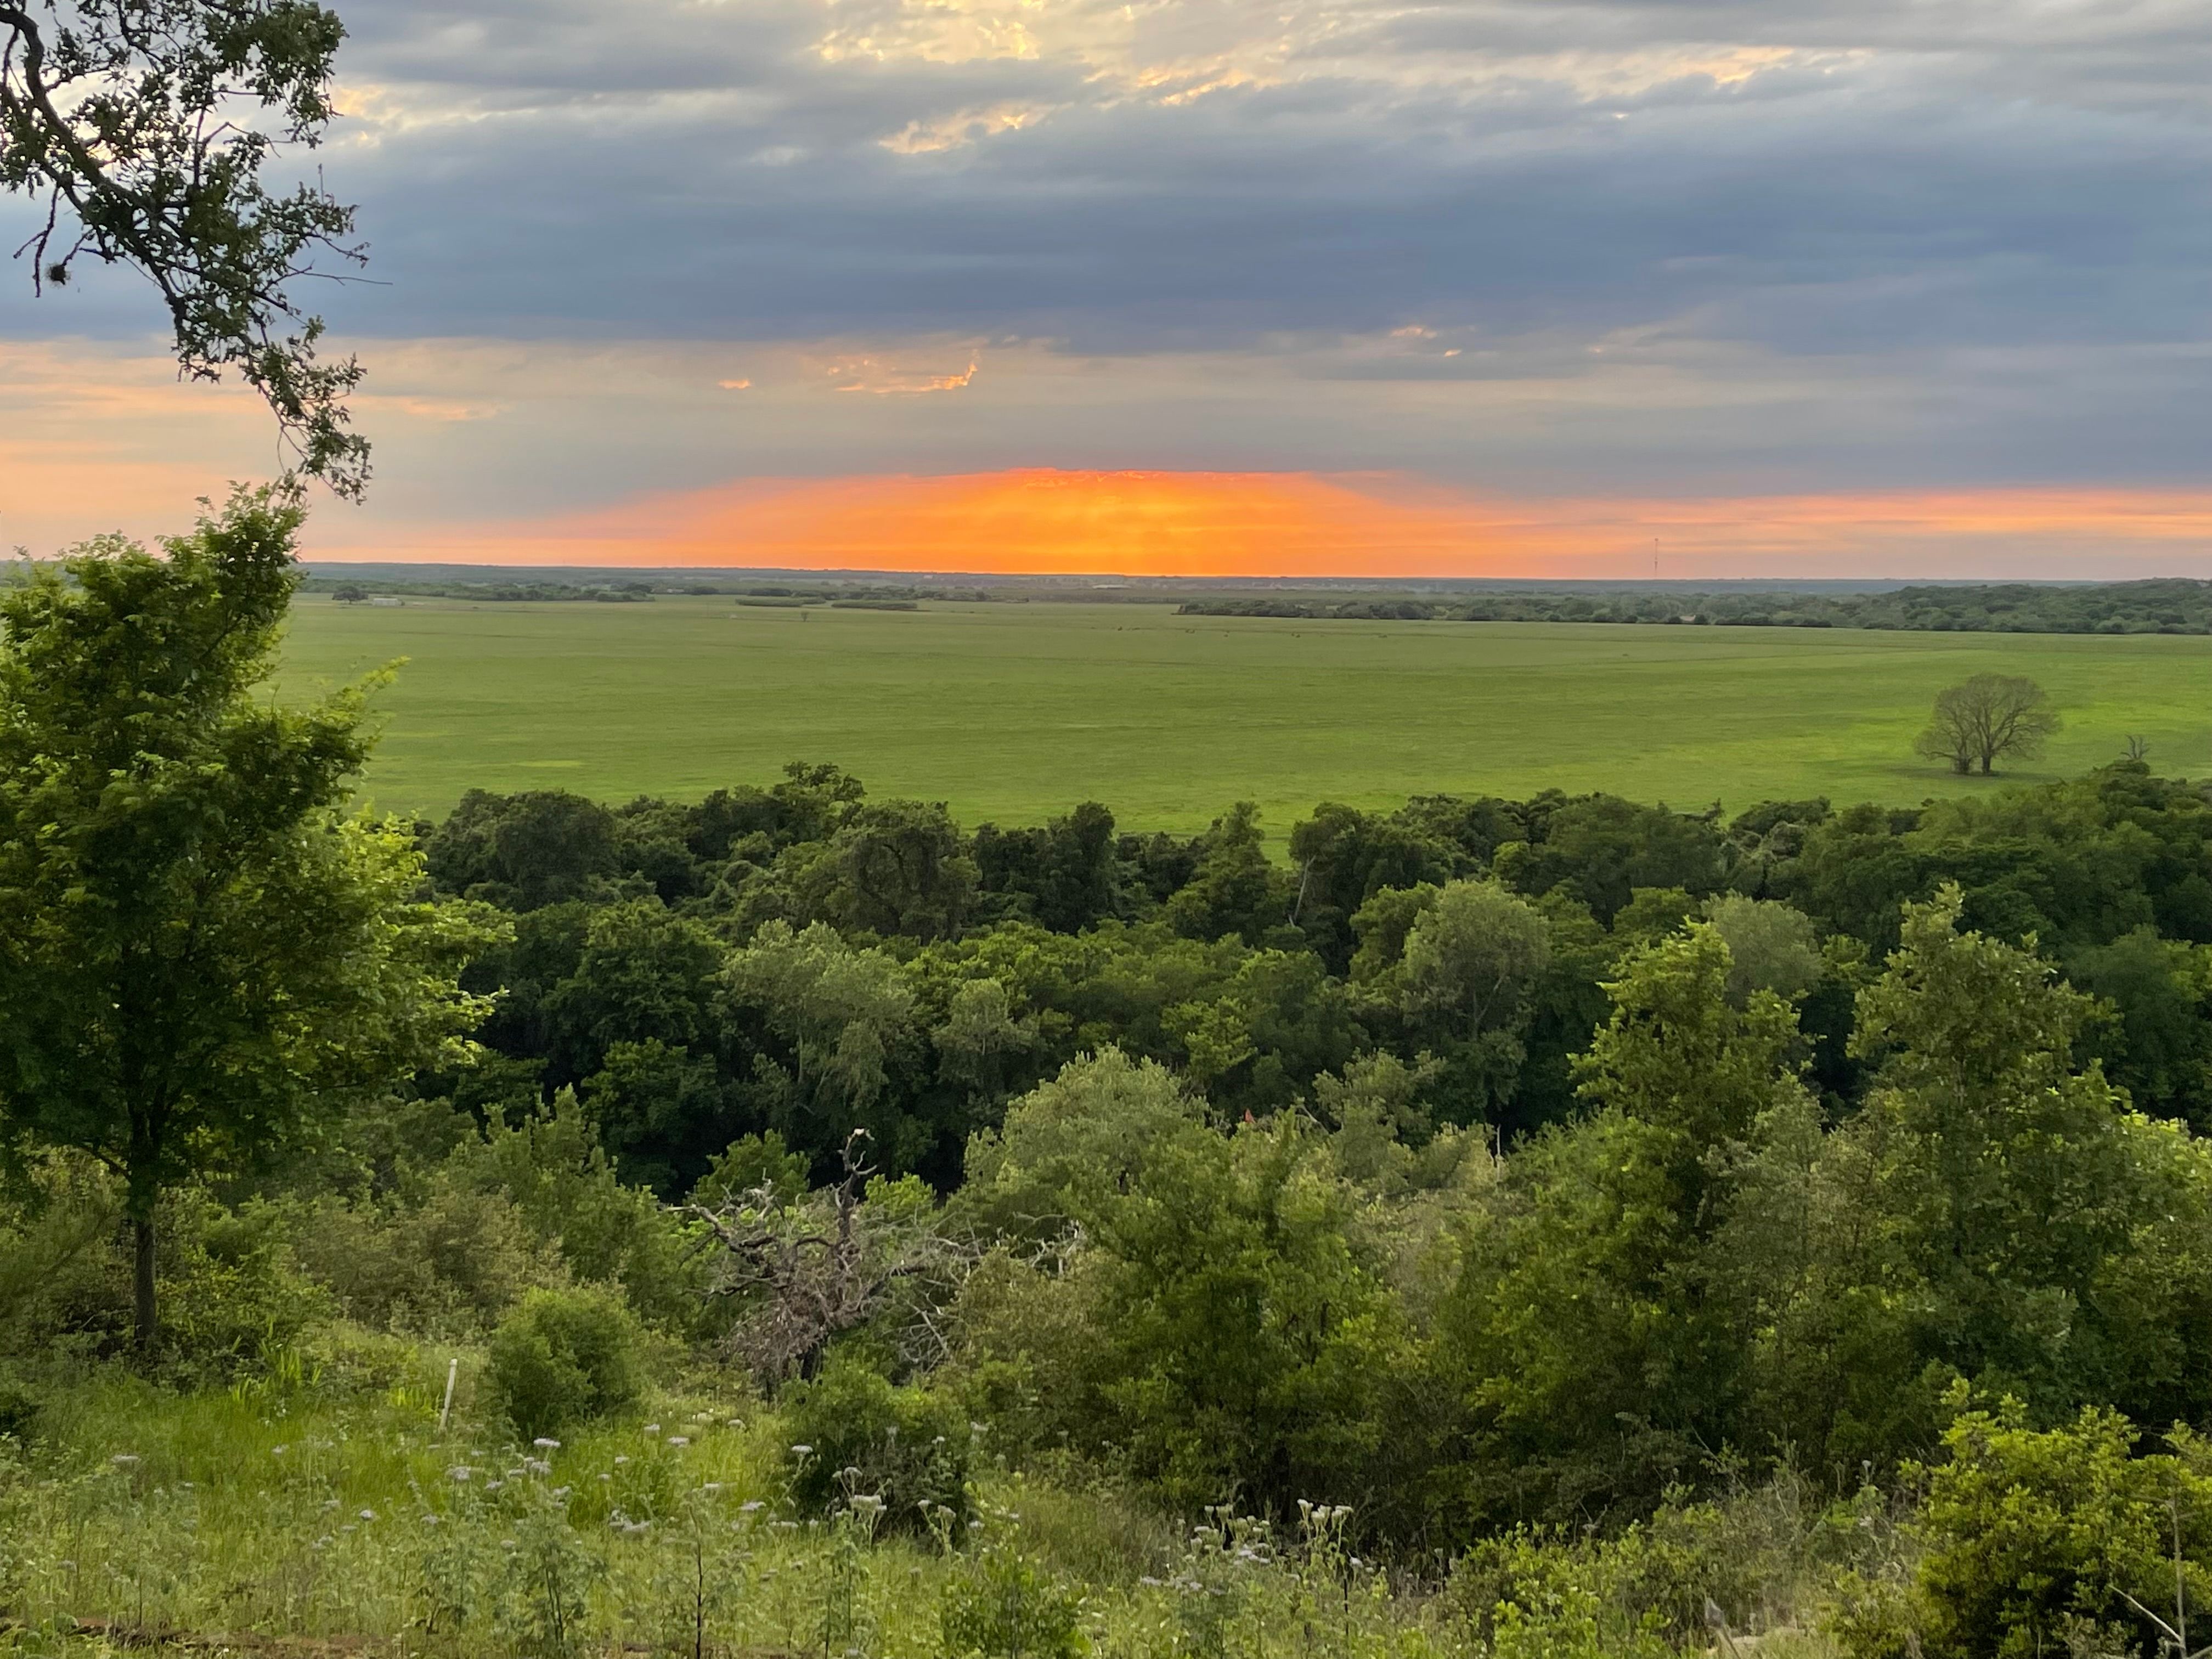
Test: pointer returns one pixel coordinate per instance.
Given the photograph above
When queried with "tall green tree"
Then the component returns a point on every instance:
(1993, 1212)
(200, 952)
(1231, 1343)
(1602, 1343)
(835, 1020)
(2050, 1234)
(1476, 955)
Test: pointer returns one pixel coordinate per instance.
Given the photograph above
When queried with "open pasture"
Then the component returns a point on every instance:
(1014, 712)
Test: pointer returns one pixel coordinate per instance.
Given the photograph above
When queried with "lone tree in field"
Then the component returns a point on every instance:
(1990, 716)
(200, 952)
(131, 126)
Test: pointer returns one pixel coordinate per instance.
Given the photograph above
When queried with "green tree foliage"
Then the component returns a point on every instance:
(1476, 955)
(141, 128)
(1235, 892)
(657, 1107)
(1382, 925)
(1601, 848)
(1062, 877)
(201, 954)
(1230, 1342)
(2023, 1204)
(1772, 947)
(753, 1163)
(1993, 1211)
(1591, 1325)
(643, 973)
(2160, 991)
(1782, 1137)
(1345, 857)
(1255, 1026)
(902, 867)
(2169, 604)
(2037, 1541)
(549, 1164)
(523, 852)
(837, 1019)
(1377, 1109)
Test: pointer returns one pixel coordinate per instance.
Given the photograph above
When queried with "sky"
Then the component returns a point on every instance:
(1789, 288)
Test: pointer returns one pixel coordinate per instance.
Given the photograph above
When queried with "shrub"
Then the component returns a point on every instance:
(232, 1292)
(561, 1356)
(18, 1411)
(451, 1266)
(552, 1168)
(2037, 1540)
(861, 1434)
(1003, 1606)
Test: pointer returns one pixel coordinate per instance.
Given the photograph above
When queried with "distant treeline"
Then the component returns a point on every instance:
(605, 593)
(2166, 605)
(851, 596)
(856, 596)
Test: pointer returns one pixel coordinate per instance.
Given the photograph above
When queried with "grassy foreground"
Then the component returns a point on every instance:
(293, 1513)
(1013, 712)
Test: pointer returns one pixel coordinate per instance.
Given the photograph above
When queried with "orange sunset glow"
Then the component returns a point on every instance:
(1301, 524)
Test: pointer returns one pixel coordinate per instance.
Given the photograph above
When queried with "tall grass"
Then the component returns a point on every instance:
(306, 1508)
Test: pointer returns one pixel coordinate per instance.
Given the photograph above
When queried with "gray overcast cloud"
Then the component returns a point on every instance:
(1682, 246)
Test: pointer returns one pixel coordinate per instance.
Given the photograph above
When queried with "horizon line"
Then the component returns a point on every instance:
(677, 572)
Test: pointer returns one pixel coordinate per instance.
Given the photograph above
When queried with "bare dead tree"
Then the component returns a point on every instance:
(810, 1271)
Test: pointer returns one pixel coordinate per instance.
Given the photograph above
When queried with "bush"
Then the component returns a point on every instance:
(233, 1294)
(450, 1268)
(1003, 1606)
(552, 1168)
(853, 1431)
(563, 1357)
(235, 1297)
(18, 1411)
(2036, 1542)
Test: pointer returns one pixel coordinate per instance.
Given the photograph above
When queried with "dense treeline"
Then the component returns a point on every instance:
(702, 943)
(1482, 1159)
(2164, 606)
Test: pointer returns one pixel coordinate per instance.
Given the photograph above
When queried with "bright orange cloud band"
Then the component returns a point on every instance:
(1250, 523)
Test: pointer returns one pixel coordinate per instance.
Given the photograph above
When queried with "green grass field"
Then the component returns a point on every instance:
(1013, 712)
